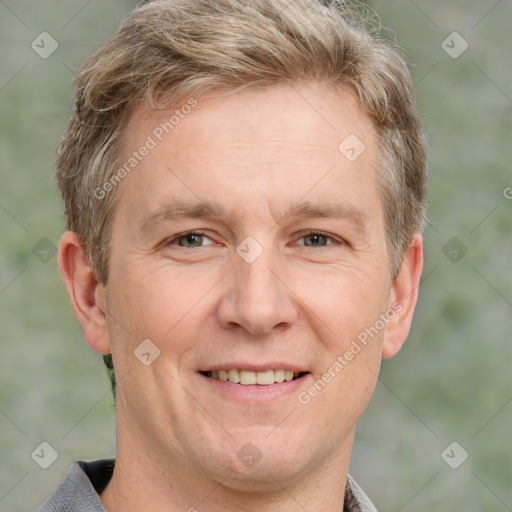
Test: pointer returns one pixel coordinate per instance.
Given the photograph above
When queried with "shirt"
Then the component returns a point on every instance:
(85, 481)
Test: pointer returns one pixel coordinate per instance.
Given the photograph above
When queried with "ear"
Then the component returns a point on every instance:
(403, 297)
(87, 296)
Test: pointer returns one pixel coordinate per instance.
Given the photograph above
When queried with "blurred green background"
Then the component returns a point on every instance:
(451, 382)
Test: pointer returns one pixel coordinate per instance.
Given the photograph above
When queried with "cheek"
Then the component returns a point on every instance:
(342, 302)
(150, 298)
(344, 310)
(157, 304)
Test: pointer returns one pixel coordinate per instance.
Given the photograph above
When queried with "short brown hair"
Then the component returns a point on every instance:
(175, 49)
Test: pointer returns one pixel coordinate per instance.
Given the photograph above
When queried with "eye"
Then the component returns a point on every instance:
(194, 239)
(190, 240)
(316, 239)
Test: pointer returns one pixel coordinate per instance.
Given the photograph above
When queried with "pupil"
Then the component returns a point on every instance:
(192, 240)
(316, 239)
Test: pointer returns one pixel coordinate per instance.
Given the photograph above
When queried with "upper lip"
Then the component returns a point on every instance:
(251, 367)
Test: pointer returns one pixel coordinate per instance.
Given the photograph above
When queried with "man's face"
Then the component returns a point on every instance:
(287, 266)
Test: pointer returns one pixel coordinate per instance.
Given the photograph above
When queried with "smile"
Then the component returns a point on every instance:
(249, 378)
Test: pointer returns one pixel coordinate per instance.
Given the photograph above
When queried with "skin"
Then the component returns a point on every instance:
(302, 302)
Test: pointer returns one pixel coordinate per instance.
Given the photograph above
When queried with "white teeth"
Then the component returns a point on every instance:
(248, 378)
(278, 375)
(265, 378)
(234, 376)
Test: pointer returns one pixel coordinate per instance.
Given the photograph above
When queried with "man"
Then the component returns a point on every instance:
(244, 186)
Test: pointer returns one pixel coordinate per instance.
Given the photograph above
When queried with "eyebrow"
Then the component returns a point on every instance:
(182, 210)
(338, 210)
(208, 209)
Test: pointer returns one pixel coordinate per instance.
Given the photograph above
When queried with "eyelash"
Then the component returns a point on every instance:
(307, 233)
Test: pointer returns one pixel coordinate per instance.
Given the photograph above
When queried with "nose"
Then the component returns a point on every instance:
(257, 298)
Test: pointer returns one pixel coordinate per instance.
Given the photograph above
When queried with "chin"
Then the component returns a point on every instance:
(251, 460)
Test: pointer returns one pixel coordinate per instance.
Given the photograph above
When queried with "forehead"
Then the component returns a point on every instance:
(274, 143)
(256, 114)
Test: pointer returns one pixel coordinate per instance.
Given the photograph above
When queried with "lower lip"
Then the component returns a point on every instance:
(256, 393)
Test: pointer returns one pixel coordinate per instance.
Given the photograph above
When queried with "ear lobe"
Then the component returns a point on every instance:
(403, 298)
(85, 293)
